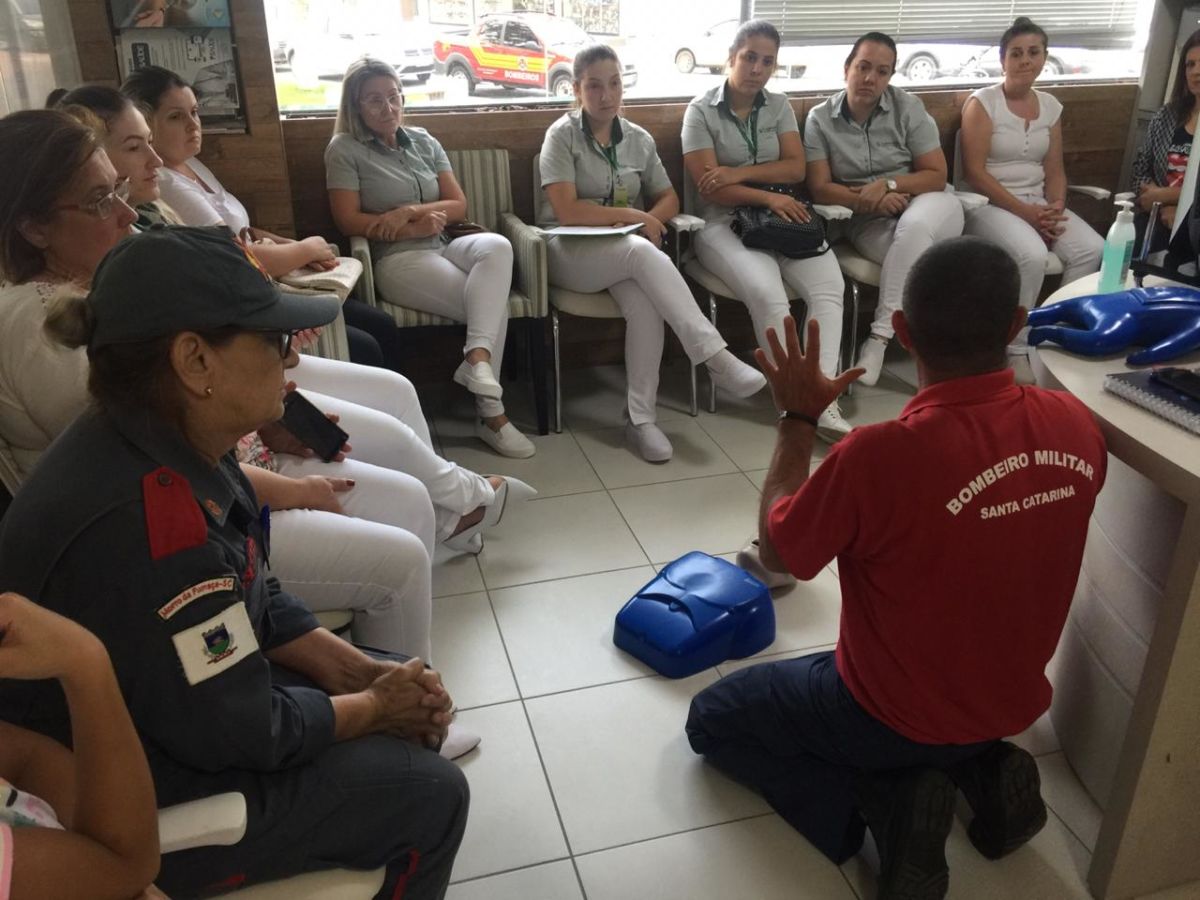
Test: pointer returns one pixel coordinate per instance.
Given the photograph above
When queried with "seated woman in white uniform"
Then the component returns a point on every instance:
(1012, 152)
(394, 185)
(600, 169)
(737, 138)
(875, 149)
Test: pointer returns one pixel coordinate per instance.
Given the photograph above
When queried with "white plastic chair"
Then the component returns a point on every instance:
(220, 821)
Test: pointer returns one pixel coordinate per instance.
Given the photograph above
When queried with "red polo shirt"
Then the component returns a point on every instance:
(958, 530)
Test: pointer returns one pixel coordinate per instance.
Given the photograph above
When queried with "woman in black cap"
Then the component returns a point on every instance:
(161, 552)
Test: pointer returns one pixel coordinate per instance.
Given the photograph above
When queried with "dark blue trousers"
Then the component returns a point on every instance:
(373, 802)
(792, 732)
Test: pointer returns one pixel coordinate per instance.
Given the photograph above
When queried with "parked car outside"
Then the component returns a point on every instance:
(527, 50)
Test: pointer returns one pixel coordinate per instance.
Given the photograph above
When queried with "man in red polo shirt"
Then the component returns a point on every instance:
(958, 530)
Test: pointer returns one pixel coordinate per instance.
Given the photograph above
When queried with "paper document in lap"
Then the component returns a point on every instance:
(592, 230)
(338, 281)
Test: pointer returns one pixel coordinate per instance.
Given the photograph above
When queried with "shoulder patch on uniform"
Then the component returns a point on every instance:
(215, 645)
(224, 584)
(174, 521)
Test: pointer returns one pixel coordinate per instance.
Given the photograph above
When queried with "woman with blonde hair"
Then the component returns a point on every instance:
(393, 184)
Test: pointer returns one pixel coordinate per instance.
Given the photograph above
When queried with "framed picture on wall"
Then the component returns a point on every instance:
(169, 13)
(201, 57)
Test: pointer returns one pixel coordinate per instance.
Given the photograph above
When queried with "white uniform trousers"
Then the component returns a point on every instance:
(756, 278)
(896, 243)
(467, 280)
(650, 291)
(1079, 246)
(380, 411)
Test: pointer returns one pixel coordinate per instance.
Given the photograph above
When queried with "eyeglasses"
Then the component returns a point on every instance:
(102, 207)
(285, 342)
(377, 104)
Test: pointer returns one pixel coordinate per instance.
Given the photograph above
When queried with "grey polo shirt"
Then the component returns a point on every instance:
(898, 130)
(386, 179)
(709, 124)
(571, 154)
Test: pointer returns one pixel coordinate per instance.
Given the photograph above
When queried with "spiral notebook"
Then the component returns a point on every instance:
(1137, 388)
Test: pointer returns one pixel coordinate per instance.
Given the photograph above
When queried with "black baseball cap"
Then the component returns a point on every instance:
(170, 279)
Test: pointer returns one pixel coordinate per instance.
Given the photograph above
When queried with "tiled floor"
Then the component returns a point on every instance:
(584, 786)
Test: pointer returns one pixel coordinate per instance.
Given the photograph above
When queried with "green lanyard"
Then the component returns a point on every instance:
(610, 154)
(749, 133)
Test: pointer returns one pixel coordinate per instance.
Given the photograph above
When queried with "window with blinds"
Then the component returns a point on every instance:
(1098, 23)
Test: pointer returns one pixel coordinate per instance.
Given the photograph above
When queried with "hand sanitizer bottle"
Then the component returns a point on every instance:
(1118, 250)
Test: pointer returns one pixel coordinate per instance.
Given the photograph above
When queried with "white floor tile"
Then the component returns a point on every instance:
(696, 455)
(1039, 738)
(1053, 866)
(1063, 793)
(747, 435)
(621, 767)
(556, 538)
(807, 614)
(507, 787)
(559, 633)
(757, 477)
(711, 514)
(454, 572)
(559, 466)
(552, 881)
(1189, 891)
(595, 398)
(867, 410)
(759, 858)
(468, 652)
(732, 665)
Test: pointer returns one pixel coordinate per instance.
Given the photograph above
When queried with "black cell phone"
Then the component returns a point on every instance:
(311, 426)
(1186, 381)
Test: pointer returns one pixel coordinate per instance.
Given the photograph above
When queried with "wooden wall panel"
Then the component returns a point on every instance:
(1095, 121)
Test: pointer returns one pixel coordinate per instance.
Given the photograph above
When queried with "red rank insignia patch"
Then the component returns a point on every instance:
(174, 521)
(251, 562)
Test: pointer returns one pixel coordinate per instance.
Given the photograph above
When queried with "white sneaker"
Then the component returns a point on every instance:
(479, 379)
(831, 427)
(507, 441)
(458, 742)
(749, 560)
(870, 357)
(649, 442)
(731, 374)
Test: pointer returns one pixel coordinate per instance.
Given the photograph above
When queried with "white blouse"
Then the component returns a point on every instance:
(43, 385)
(195, 205)
(1016, 153)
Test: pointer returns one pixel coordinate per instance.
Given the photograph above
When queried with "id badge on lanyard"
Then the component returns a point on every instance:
(749, 133)
(618, 194)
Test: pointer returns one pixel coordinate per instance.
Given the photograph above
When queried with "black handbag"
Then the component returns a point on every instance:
(761, 229)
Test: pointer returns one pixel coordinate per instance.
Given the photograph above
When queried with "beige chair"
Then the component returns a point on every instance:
(220, 821)
(716, 289)
(487, 183)
(600, 305)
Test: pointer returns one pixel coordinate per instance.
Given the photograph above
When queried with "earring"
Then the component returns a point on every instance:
(208, 391)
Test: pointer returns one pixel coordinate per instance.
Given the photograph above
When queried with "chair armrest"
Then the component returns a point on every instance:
(684, 222)
(360, 249)
(529, 255)
(216, 821)
(832, 211)
(1096, 193)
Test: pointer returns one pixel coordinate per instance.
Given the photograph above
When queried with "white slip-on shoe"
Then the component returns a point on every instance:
(458, 742)
(831, 426)
(731, 374)
(648, 441)
(748, 559)
(507, 441)
(479, 379)
(870, 357)
(510, 489)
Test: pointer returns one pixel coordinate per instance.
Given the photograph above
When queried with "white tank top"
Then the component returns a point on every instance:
(1016, 152)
